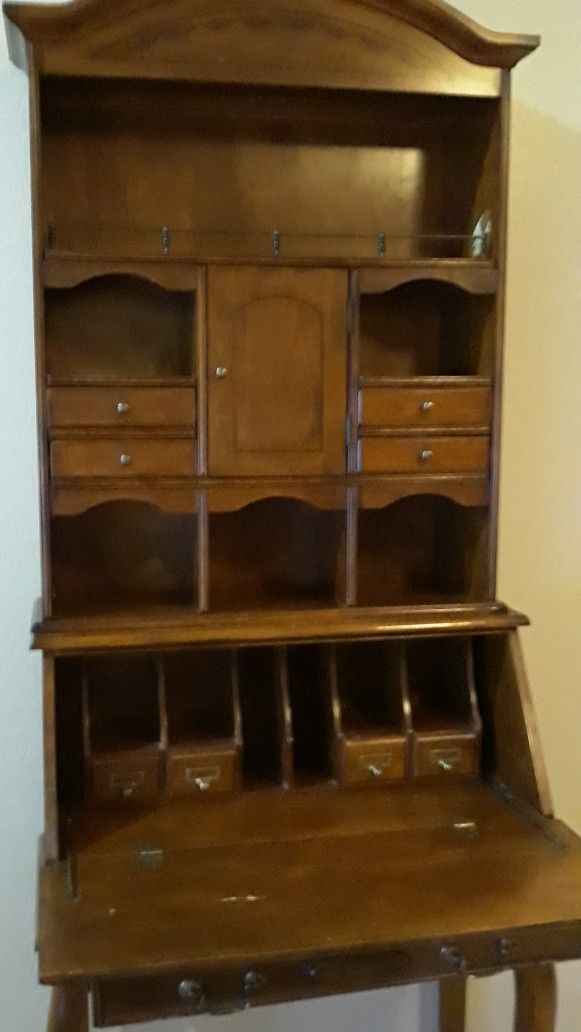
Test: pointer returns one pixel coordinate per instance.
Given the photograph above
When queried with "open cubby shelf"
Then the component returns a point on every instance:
(119, 328)
(426, 329)
(277, 553)
(421, 550)
(144, 725)
(120, 555)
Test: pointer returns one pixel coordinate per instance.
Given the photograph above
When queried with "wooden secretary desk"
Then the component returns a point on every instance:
(289, 744)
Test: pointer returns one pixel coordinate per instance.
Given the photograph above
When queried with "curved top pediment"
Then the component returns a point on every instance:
(329, 40)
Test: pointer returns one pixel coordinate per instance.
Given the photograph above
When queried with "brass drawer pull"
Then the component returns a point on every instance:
(200, 778)
(221, 372)
(191, 989)
(426, 406)
(122, 408)
(425, 455)
(453, 958)
(253, 980)
(125, 459)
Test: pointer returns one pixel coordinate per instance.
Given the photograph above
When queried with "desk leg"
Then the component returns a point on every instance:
(536, 998)
(69, 1010)
(453, 1004)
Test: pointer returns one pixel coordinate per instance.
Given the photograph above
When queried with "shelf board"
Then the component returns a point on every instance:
(120, 381)
(67, 268)
(425, 382)
(158, 628)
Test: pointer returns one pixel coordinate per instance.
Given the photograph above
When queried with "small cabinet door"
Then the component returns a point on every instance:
(277, 369)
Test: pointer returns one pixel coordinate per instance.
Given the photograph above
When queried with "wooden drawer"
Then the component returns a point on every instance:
(123, 457)
(121, 406)
(191, 771)
(424, 454)
(130, 776)
(374, 759)
(413, 406)
(234, 989)
(446, 755)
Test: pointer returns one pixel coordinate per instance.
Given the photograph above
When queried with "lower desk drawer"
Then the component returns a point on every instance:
(123, 457)
(374, 759)
(225, 991)
(446, 755)
(131, 1000)
(191, 771)
(424, 454)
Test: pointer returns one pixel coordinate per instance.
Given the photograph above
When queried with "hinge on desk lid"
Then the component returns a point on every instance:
(165, 241)
(149, 856)
(545, 824)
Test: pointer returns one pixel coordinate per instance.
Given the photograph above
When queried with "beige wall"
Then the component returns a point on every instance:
(540, 547)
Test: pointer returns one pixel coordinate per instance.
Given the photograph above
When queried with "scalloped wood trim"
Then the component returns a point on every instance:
(481, 46)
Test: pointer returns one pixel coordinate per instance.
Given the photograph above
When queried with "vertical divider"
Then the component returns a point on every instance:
(86, 728)
(351, 550)
(49, 718)
(201, 354)
(285, 731)
(203, 552)
(352, 422)
(163, 716)
(407, 709)
(200, 337)
(236, 717)
(471, 683)
(335, 723)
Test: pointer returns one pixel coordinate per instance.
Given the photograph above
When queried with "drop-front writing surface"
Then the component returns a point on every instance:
(281, 700)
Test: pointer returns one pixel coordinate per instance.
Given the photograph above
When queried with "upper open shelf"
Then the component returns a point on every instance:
(257, 173)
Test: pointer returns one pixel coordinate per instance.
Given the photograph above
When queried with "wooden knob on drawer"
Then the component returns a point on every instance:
(122, 408)
(426, 406)
(425, 455)
(125, 459)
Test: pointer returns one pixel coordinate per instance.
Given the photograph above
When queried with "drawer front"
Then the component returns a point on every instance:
(446, 755)
(412, 406)
(194, 772)
(123, 457)
(424, 454)
(374, 759)
(121, 406)
(135, 777)
(235, 989)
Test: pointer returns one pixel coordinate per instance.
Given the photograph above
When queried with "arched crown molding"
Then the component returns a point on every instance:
(47, 25)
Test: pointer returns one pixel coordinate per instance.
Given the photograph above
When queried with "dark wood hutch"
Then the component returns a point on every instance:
(289, 744)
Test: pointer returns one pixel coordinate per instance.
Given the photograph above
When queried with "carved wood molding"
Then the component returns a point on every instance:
(476, 44)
